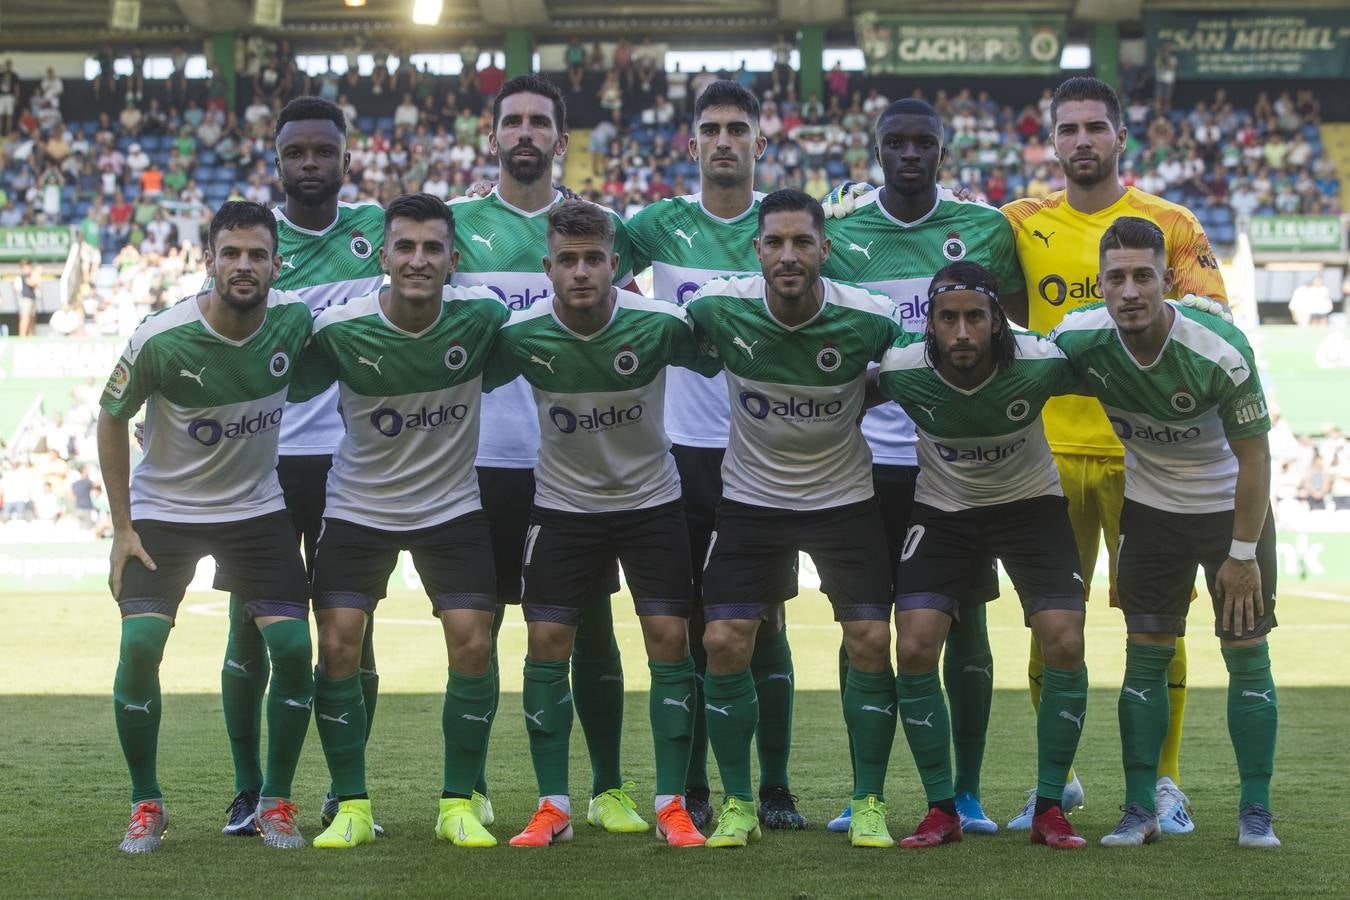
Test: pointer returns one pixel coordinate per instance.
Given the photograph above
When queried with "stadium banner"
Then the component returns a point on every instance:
(1253, 45)
(1312, 233)
(39, 244)
(904, 44)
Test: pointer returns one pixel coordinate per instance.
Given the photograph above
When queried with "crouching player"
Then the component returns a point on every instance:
(605, 486)
(1180, 389)
(214, 371)
(408, 360)
(987, 486)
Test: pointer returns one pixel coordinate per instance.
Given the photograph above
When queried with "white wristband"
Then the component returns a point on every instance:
(1242, 550)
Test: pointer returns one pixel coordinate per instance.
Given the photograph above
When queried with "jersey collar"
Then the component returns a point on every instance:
(201, 317)
(755, 197)
(379, 308)
(618, 302)
(280, 212)
(825, 284)
(919, 221)
(525, 214)
(1176, 321)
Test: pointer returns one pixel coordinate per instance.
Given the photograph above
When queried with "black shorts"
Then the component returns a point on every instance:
(453, 559)
(895, 492)
(1158, 557)
(568, 553)
(754, 544)
(945, 556)
(304, 485)
(508, 499)
(258, 556)
(700, 471)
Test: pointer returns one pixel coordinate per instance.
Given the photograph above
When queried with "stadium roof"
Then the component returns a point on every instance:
(73, 24)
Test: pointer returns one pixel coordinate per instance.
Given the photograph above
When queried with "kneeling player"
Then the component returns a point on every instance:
(408, 360)
(215, 369)
(987, 486)
(1181, 390)
(606, 486)
(797, 476)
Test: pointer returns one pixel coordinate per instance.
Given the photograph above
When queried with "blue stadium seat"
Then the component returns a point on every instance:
(1223, 234)
(150, 143)
(836, 169)
(385, 123)
(1311, 132)
(1174, 195)
(366, 123)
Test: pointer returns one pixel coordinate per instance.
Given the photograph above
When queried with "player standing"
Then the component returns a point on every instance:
(688, 241)
(330, 251)
(501, 240)
(895, 239)
(1057, 240)
(1180, 389)
(796, 477)
(606, 486)
(987, 486)
(213, 371)
(408, 361)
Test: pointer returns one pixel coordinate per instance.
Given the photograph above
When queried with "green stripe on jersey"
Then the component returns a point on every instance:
(410, 403)
(599, 401)
(983, 446)
(1176, 416)
(795, 393)
(213, 410)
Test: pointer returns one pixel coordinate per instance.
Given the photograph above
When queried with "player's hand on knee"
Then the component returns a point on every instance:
(1208, 305)
(1238, 584)
(126, 544)
(839, 202)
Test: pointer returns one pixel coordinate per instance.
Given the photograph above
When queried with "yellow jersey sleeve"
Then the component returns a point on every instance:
(1058, 248)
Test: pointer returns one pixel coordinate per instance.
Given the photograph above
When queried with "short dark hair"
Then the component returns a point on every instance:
(302, 109)
(791, 200)
(580, 218)
(967, 272)
(1085, 87)
(420, 207)
(241, 214)
(532, 84)
(1132, 233)
(909, 106)
(725, 92)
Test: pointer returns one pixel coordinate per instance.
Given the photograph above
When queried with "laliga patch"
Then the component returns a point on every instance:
(117, 381)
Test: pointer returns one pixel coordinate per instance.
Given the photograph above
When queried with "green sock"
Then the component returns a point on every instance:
(732, 711)
(370, 679)
(697, 776)
(136, 700)
(340, 715)
(968, 675)
(466, 720)
(1253, 719)
(481, 785)
(597, 684)
(672, 716)
(771, 666)
(290, 698)
(1059, 725)
(1143, 712)
(843, 686)
(869, 712)
(548, 721)
(928, 730)
(243, 684)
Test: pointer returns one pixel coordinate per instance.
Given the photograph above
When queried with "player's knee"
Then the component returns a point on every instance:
(141, 649)
(471, 653)
(288, 644)
(728, 648)
(868, 645)
(339, 655)
(915, 653)
(1063, 648)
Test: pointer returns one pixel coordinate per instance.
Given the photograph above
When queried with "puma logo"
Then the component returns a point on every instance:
(1077, 720)
(241, 666)
(1264, 695)
(306, 706)
(566, 698)
(926, 723)
(738, 341)
(1099, 376)
(485, 718)
(547, 365)
(485, 240)
(341, 720)
(780, 676)
(931, 410)
(687, 238)
(374, 365)
(682, 704)
(982, 670)
(197, 376)
(720, 710)
(1142, 695)
(865, 251)
(885, 711)
(1044, 237)
(535, 718)
(144, 707)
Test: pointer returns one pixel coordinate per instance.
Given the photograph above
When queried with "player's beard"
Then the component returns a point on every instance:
(527, 169)
(729, 178)
(241, 302)
(804, 289)
(310, 198)
(1104, 169)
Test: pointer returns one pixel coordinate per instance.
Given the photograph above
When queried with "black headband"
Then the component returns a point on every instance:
(979, 289)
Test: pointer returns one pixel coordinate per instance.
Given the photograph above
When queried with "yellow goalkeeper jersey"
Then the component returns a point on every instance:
(1057, 246)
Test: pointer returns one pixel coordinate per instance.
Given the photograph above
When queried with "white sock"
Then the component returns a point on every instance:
(663, 800)
(561, 801)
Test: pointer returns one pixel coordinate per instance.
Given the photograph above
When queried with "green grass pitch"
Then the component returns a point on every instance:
(67, 786)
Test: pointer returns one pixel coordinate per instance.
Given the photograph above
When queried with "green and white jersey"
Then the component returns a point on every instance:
(410, 405)
(795, 392)
(599, 401)
(326, 268)
(899, 259)
(1176, 416)
(686, 246)
(983, 446)
(503, 248)
(213, 411)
